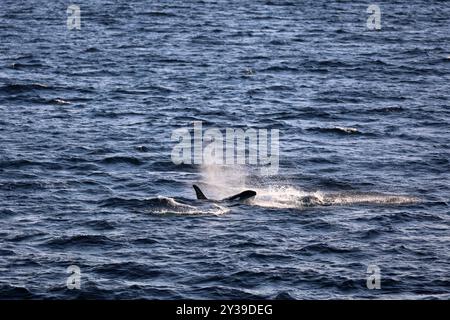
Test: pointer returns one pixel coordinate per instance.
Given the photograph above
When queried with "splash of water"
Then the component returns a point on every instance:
(224, 181)
(280, 196)
(291, 197)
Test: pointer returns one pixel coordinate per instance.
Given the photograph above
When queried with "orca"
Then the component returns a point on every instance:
(240, 197)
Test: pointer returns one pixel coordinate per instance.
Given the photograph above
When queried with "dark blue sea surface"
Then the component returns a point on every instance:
(87, 179)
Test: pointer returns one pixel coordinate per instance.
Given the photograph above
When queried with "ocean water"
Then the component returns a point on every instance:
(87, 179)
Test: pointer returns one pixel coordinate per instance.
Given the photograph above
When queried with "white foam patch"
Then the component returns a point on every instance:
(291, 197)
(284, 197)
(348, 129)
(171, 206)
(223, 181)
(343, 199)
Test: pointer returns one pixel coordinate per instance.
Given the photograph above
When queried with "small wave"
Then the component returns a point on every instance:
(158, 14)
(130, 270)
(386, 110)
(278, 42)
(7, 212)
(20, 88)
(92, 49)
(280, 4)
(121, 159)
(145, 241)
(171, 60)
(344, 199)
(22, 66)
(100, 225)
(280, 69)
(12, 292)
(328, 63)
(20, 163)
(142, 148)
(171, 206)
(80, 240)
(6, 252)
(59, 101)
(327, 249)
(338, 130)
(166, 205)
(165, 166)
(207, 40)
(280, 88)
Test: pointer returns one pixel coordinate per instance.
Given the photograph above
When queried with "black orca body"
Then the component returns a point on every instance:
(240, 197)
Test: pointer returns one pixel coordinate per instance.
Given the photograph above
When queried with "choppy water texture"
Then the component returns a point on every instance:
(86, 176)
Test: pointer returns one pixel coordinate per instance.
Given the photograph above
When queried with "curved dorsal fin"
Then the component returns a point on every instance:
(199, 193)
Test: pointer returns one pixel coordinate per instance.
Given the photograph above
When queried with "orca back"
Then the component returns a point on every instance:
(244, 195)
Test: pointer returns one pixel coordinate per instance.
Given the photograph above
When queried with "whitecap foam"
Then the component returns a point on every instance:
(171, 206)
(224, 181)
(347, 129)
(291, 197)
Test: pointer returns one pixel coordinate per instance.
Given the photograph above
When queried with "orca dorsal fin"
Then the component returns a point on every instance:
(199, 193)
